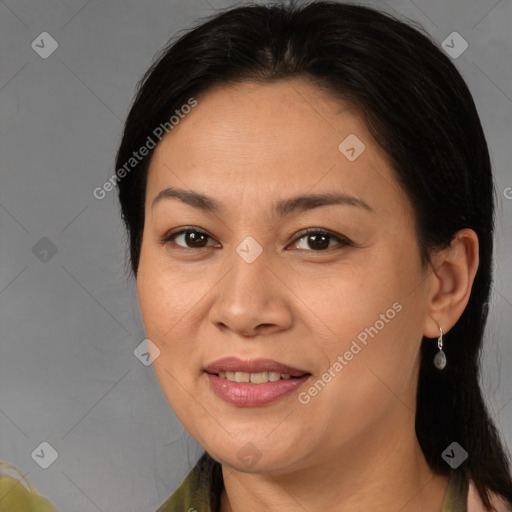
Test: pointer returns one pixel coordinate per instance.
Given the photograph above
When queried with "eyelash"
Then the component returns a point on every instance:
(343, 241)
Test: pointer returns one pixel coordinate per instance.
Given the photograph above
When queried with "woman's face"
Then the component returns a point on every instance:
(348, 307)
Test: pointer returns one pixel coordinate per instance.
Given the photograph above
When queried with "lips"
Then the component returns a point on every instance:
(234, 364)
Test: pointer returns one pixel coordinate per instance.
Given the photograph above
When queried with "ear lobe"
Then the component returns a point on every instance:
(454, 270)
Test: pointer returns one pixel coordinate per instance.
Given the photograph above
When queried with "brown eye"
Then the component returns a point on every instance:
(189, 239)
(320, 240)
(315, 239)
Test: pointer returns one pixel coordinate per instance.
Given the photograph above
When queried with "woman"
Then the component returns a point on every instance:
(309, 200)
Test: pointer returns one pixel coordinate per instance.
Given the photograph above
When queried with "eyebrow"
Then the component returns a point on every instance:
(282, 207)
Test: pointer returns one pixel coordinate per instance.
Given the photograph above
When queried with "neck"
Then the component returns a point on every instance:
(382, 470)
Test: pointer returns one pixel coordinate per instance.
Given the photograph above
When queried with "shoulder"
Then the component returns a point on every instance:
(191, 495)
(476, 505)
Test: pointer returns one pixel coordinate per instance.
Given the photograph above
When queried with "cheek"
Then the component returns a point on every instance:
(163, 298)
(171, 305)
(164, 307)
(377, 318)
(376, 378)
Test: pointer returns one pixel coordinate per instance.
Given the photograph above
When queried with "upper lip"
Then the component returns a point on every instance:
(234, 364)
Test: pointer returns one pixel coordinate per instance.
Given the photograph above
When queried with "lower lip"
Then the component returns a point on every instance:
(245, 394)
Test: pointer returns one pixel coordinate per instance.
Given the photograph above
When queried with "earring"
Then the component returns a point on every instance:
(440, 359)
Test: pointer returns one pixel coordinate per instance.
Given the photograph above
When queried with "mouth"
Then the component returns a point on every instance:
(256, 378)
(256, 371)
(255, 383)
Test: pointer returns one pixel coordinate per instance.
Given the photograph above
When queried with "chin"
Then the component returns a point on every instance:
(250, 459)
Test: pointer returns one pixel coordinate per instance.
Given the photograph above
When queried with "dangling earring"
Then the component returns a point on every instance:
(440, 359)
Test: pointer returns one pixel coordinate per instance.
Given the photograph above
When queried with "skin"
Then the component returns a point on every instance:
(247, 146)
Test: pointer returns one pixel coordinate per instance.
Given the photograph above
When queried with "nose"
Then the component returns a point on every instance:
(252, 299)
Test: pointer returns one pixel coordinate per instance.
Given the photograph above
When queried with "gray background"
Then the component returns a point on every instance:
(70, 324)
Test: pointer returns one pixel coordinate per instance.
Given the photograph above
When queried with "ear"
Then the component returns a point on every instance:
(453, 273)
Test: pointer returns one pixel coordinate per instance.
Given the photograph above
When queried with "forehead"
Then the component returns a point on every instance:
(288, 118)
(267, 137)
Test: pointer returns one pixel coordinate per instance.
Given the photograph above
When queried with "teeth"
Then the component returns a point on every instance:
(255, 378)
(273, 376)
(258, 378)
(242, 377)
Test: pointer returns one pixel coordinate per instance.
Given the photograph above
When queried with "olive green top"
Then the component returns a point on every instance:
(193, 496)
